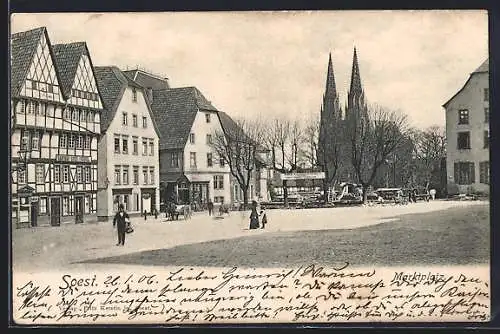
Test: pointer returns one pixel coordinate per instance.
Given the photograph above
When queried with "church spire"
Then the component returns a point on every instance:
(356, 105)
(330, 97)
(330, 78)
(355, 76)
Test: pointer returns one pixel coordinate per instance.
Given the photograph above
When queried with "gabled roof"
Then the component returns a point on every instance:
(483, 68)
(231, 128)
(147, 80)
(23, 48)
(175, 110)
(67, 57)
(112, 84)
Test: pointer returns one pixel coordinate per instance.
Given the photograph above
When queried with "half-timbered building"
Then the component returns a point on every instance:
(56, 110)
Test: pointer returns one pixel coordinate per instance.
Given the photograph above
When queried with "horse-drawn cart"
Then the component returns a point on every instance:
(173, 211)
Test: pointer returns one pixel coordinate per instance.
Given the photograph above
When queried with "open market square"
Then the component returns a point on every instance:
(424, 233)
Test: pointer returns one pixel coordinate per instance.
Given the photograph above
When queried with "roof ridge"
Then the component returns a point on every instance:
(28, 32)
(21, 67)
(79, 43)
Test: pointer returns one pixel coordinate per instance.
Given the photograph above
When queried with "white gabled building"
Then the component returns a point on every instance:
(129, 170)
(190, 169)
(55, 117)
(467, 135)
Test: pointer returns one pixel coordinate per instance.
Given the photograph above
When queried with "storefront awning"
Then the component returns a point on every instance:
(199, 177)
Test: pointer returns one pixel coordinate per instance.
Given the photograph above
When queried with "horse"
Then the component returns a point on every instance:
(171, 211)
(223, 209)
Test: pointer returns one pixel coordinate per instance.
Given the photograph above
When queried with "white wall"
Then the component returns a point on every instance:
(112, 159)
(471, 98)
(202, 172)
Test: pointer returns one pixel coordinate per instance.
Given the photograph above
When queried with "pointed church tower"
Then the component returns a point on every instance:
(356, 104)
(330, 113)
(331, 98)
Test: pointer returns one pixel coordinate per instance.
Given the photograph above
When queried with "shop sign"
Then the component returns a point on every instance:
(303, 176)
(73, 158)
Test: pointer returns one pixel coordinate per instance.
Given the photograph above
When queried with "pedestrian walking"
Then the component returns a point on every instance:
(432, 192)
(120, 221)
(145, 215)
(210, 208)
(254, 217)
(156, 213)
(263, 219)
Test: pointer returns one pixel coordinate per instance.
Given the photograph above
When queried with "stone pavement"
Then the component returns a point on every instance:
(47, 248)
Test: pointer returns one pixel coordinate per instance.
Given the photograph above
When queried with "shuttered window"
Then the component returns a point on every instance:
(464, 173)
(484, 172)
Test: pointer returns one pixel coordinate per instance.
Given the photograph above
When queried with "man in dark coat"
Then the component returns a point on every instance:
(120, 220)
(210, 208)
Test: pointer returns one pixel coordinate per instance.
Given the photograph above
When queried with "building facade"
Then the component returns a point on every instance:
(190, 171)
(467, 135)
(55, 116)
(129, 171)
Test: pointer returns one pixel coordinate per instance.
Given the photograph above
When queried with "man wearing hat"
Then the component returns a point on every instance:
(121, 219)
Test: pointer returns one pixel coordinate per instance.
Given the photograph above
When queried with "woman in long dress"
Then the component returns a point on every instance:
(254, 217)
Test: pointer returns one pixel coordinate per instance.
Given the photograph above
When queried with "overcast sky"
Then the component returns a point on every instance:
(276, 62)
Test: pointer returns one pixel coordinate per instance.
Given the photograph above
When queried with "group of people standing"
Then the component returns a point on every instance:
(254, 218)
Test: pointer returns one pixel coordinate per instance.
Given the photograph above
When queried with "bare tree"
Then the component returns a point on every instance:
(285, 140)
(373, 140)
(281, 132)
(296, 141)
(309, 150)
(430, 148)
(237, 145)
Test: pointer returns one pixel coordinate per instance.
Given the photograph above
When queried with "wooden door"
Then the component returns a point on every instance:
(55, 211)
(34, 214)
(79, 210)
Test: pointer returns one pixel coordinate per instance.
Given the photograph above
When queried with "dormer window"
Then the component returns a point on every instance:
(134, 94)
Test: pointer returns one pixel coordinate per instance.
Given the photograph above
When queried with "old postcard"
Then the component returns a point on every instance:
(250, 167)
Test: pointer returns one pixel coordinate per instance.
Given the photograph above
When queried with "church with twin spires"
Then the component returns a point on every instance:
(336, 120)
